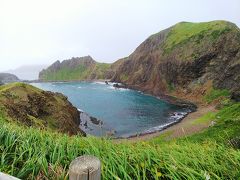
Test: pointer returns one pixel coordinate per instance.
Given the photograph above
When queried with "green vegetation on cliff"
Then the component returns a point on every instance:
(75, 69)
(80, 72)
(185, 31)
(215, 94)
(184, 56)
(28, 105)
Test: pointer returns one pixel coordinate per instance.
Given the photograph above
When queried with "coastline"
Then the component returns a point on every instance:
(66, 81)
(187, 126)
(183, 127)
(170, 99)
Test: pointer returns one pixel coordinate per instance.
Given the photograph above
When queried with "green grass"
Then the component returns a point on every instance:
(210, 116)
(30, 153)
(17, 84)
(215, 94)
(80, 72)
(226, 128)
(184, 32)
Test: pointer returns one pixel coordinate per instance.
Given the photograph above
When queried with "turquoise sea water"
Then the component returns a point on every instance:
(123, 112)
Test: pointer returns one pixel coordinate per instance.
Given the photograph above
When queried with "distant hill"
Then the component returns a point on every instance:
(7, 78)
(28, 72)
(79, 68)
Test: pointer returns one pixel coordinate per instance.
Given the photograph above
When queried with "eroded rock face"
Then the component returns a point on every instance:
(164, 63)
(34, 107)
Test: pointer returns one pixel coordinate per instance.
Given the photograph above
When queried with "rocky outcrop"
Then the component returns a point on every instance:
(7, 78)
(83, 68)
(184, 60)
(34, 107)
(184, 57)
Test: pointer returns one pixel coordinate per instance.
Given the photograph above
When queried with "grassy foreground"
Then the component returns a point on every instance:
(32, 153)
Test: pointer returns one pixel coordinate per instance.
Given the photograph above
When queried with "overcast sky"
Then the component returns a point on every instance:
(43, 31)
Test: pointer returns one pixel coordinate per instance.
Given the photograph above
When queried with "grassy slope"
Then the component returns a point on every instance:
(78, 73)
(34, 153)
(184, 32)
(31, 153)
(15, 94)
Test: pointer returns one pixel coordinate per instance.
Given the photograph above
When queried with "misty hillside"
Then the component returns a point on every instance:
(29, 72)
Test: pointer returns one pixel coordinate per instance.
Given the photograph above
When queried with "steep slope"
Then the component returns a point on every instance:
(83, 68)
(28, 105)
(186, 59)
(7, 78)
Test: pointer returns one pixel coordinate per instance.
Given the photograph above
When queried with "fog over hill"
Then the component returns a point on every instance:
(27, 72)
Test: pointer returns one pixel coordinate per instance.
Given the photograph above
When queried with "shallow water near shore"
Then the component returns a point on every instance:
(123, 112)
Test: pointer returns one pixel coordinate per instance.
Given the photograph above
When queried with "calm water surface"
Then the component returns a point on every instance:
(124, 112)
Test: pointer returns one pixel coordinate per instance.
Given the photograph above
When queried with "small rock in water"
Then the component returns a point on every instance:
(111, 132)
(96, 121)
(116, 85)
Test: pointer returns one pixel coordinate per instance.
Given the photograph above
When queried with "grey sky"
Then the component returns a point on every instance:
(43, 31)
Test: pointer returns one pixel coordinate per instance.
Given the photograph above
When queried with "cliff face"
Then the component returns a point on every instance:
(7, 78)
(183, 58)
(83, 68)
(186, 59)
(34, 107)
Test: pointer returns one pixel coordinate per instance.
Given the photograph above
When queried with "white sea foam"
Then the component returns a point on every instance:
(111, 87)
(158, 128)
(99, 82)
(177, 116)
(80, 110)
(123, 89)
(118, 89)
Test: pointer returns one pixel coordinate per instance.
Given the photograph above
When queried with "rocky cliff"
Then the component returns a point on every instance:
(186, 59)
(7, 78)
(83, 68)
(31, 106)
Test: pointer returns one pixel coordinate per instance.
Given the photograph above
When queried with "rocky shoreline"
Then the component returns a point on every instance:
(170, 99)
(167, 98)
(163, 127)
(87, 119)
